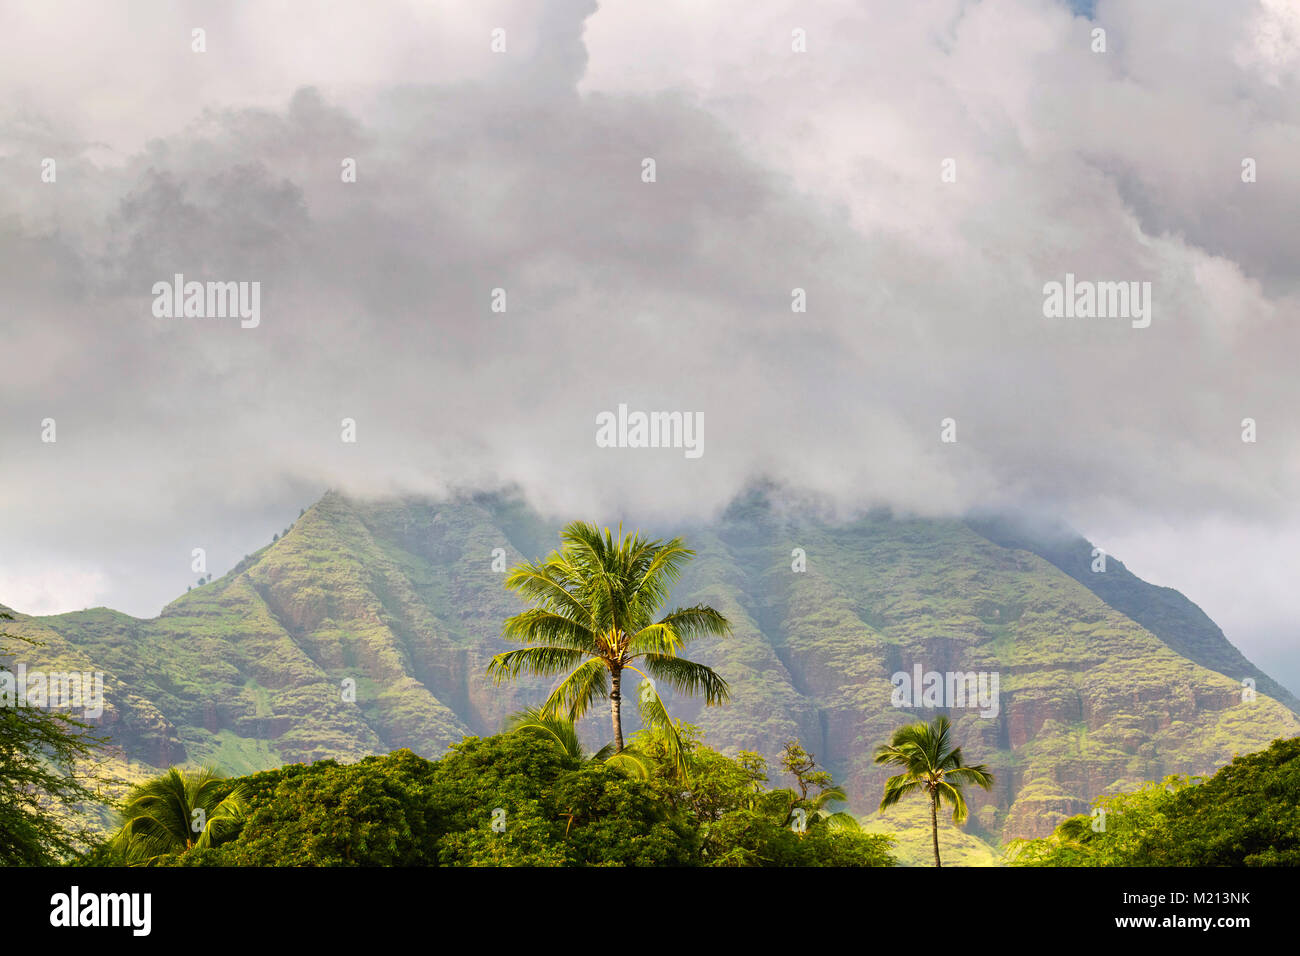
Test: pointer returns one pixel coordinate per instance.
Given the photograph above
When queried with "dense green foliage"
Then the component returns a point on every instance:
(1247, 814)
(179, 811)
(519, 799)
(374, 812)
(43, 782)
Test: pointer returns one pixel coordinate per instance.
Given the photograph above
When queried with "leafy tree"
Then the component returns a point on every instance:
(43, 780)
(589, 815)
(829, 846)
(715, 784)
(177, 812)
(1110, 838)
(1246, 814)
(931, 765)
(742, 823)
(801, 765)
(594, 617)
(553, 807)
(371, 813)
(527, 839)
(526, 798)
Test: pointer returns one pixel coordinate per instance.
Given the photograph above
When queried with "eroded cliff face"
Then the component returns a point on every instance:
(369, 627)
(1089, 701)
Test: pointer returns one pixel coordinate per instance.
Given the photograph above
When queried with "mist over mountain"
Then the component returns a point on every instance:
(777, 170)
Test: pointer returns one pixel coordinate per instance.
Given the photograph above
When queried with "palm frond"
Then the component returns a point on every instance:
(176, 811)
(838, 821)
(662, 569)
(541, 660)
(654, 716)
(540, 584)
(687, 677)
(551, 727)
(630, 762)
(830, 795)
(674, 631)
(582, 687)
(977, 774)
(542, 626)
(897, 787)
(954, 798)
(904, 754)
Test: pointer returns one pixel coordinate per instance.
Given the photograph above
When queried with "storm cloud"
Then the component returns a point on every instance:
(920, 171)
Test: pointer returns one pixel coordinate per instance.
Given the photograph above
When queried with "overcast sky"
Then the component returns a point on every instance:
(776, 169)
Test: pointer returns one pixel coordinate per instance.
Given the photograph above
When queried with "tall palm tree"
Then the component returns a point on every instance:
(594, 616)
(930, 764)
(176, 812)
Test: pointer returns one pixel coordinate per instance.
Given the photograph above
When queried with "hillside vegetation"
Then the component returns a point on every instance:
(368, 628)
(1246, 814)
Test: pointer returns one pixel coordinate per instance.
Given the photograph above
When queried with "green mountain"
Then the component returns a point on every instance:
(1104, 681)
(1164, 612)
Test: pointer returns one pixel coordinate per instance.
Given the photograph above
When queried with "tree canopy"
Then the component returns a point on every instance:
(1246, 814)
(46, 778)
(527, 798)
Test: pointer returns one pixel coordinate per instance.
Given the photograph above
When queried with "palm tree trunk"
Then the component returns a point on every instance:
(615, 712)
(934, 824)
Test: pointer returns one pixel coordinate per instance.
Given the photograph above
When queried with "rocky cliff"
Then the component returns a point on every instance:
(369, 626)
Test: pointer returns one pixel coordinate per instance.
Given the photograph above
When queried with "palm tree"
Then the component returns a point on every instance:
(177, 812)
(931, 764)
(594, 615)
(563, 733)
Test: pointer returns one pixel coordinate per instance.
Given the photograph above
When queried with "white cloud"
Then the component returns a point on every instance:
(53, 588)
(777, 169)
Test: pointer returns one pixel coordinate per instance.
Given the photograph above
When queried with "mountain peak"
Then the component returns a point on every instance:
(369, 626)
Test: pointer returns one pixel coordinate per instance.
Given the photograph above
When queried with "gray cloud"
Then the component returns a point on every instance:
(775, 171)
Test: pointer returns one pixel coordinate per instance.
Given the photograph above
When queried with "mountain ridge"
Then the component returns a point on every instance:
(399, 596)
